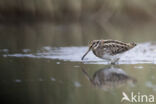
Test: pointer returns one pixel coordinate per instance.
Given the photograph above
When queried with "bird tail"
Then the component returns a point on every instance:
(131, 45)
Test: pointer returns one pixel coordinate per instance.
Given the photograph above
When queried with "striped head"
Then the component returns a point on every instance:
(92, 44)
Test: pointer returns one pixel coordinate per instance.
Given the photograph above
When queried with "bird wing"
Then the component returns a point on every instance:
(115, 48)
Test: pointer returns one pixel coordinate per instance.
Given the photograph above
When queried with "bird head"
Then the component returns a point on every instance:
(92, 44)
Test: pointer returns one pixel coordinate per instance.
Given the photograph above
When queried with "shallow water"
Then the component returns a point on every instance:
(56, 75)
(40, 63)
(143, 53)
(37, 80)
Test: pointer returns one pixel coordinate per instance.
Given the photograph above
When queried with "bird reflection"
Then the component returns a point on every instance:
(109, 77)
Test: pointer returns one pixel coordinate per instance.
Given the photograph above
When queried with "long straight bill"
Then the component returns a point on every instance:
(86, 53)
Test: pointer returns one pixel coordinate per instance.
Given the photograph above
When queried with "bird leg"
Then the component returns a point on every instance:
(113, 62)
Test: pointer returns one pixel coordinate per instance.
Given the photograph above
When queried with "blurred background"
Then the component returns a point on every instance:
(37, 23)
(26, 26)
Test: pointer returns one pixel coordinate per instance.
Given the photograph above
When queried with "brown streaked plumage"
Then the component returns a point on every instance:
(109, 49)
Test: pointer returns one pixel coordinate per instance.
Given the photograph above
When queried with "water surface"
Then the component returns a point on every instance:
(143, 53)
(56, 75)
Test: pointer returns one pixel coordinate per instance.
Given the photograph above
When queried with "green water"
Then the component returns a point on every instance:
(38, 81)
(33, 80)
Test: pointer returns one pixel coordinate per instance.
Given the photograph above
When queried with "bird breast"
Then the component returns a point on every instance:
(99, 51)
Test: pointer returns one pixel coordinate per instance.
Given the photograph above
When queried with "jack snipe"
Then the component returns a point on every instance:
(109, 49)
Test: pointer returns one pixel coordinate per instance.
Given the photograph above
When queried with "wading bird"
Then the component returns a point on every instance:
(110, 50)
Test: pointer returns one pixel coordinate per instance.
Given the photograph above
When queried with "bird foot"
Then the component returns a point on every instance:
(115, 61)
